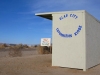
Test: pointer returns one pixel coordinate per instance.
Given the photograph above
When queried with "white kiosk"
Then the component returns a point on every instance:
(75, 39)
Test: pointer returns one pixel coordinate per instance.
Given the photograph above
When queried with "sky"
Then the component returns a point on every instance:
(18, 23)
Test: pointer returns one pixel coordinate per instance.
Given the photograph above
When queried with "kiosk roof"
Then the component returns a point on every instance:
(48, 15)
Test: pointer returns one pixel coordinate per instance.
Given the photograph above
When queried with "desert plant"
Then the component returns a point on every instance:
(0, 46)
(35, 46)
(25, 46)
(44, 50)
(3, 46)
(15, 50)
(39, 49)
(19, 46)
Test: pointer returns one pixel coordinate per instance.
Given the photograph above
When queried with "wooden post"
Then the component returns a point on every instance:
(50, 50)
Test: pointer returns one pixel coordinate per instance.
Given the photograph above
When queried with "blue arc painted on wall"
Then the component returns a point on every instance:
(69, 35)
(63, 35)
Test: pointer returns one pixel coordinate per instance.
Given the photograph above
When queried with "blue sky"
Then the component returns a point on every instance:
(18, 23)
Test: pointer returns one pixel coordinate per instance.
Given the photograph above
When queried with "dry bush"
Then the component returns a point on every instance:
(35, 46)
(25, 46)
(15, 50)
(39, 49)
(44, 50)
(2, 46)
(19, 46)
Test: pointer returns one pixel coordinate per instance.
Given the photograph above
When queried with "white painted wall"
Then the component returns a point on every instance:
(92, 41)
(69, 51)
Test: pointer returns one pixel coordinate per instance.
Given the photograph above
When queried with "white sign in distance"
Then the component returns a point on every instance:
(45, 41)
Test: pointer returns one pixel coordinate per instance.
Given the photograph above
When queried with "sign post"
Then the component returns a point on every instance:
(46, 42)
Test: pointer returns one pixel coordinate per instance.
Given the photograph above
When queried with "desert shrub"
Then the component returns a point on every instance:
(44, 50)
(25, 46)
(3, 46)
(39, 49)
(16, 50)
(35, 46)
(19, 46)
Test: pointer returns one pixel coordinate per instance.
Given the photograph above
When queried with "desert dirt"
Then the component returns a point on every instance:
(32, 63)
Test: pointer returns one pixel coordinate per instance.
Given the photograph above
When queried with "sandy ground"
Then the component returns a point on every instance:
(25, 52)
(32, 63)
